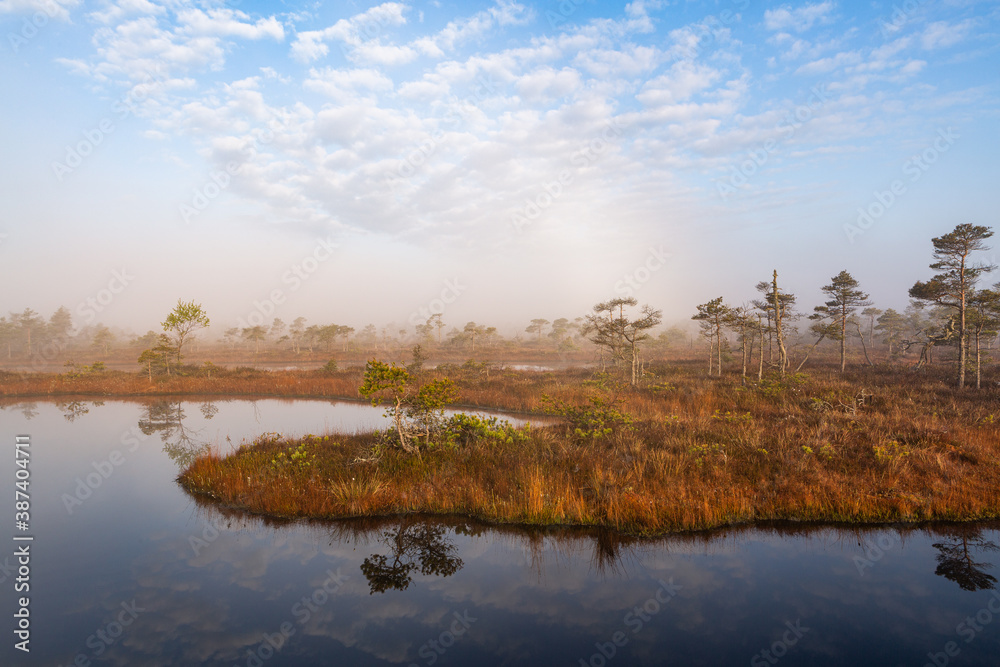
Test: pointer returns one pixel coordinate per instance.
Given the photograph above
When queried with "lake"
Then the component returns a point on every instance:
(126, 568)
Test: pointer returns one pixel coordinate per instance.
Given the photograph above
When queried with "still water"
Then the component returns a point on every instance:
(127, 569)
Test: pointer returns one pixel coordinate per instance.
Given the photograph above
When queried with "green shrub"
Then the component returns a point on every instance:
(462, 429)
(598, 420)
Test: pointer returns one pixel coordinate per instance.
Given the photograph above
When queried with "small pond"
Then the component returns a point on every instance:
(127, 569)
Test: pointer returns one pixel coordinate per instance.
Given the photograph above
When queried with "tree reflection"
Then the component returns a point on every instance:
(955, 561)
(415, 546)
(72, 410)
(179, 442)
(29, 410)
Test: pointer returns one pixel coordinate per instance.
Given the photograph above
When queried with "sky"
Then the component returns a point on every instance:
(492, 161)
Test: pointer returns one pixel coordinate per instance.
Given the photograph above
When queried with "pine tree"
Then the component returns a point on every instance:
(953, 286)
(845, 299)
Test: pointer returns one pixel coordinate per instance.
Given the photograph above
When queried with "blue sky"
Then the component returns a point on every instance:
(360, 162)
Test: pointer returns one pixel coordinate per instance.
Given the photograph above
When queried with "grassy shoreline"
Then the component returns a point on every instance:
(695, 454)
(867, 447)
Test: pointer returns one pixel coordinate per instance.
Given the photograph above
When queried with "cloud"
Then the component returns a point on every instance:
(115, 12)
(546, 82)
(364, 40)
(826, 65)
(141, 42)
(628, 61)
(228, 23)
(53, 9)
(443, 132)
(341, 85)
(684, 80)
(800, 19)
(941, 34)
(368, 25)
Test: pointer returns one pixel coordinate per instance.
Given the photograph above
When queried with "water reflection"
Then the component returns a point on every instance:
(166, 418)
(957, 563)
(73, 410)
(415, 545)
(212, 585)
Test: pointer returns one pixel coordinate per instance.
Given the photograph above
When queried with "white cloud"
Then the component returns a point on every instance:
(913, 67)
(364, 39)
(376, 53)
(684, 80)
(116, 11)
(228, 23)
(368, 25)
(799, 19)
(342, 85)
(628, 61)
(942, 34)
(480, 130)
(825, 65)
(546, 82)
(426, 90)
(53, 9)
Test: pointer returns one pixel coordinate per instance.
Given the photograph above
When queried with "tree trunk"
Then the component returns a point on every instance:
(760, 361)
(864, 347)
(743, 335)
(804, 359)
(778, 334)
(925, 355)
(978, 360)
(843, 341)
(770, 341)
(711, 354)
(718, 334)
(398, 418)
(961, 327)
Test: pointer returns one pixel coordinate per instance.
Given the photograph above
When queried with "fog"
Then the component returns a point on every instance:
(494, 162)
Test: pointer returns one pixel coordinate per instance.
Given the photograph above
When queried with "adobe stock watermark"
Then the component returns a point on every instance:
(711, 26)
(89, 483)
(209, 534)
(901, 14)
(92, 306)
(294, 277)
(586, 155)
(88, 309)
(7, 570)
(779, 648)
(216, 184)
(367, 27)
(219, 180)
(433, 649)
(758, 157)
(914, 168)
(633, 282)
(458, 110)
(302, 611)
(635, 620)
(565, 9)
(875, 552)
(30, 26)
(969, 629)
(97, 135)
(449, 294)
(107, 636)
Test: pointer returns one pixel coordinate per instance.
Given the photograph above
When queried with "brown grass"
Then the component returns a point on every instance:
(875, 445)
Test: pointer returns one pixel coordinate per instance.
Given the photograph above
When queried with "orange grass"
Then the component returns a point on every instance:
(875, 445)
